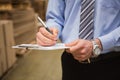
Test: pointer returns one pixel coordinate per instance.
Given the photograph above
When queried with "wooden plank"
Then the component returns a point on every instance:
(26, 37)
(0, 64)
(21, 4)
(22, 15)
(5, 15)
(24, 28)
(24, 19)
(3, 60)
(5, 1)
(9, 42)
(1, 72)
(5, 7)
(24, 22)
(40, 7)
(20, 1)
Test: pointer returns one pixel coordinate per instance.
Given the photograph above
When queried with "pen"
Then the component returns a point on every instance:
(44, 25)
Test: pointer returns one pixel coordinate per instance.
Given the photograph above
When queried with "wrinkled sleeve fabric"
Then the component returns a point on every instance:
(111, 41)
(55, 14)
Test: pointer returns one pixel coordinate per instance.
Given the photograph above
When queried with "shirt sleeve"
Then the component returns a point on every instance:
(111, 41)
(55, 14)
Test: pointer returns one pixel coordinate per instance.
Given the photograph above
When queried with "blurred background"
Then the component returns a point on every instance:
(18, 25)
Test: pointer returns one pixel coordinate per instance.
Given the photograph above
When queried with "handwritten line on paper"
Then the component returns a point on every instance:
(38, 47)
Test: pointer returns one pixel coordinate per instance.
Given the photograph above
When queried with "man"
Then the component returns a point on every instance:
(95, 58)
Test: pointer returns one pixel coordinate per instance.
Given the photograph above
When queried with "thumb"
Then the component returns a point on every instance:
(71, 43)
(54, 31)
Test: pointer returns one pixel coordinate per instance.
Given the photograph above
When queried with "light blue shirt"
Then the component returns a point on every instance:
(65, 15)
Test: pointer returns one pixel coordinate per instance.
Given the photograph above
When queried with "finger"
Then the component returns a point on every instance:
(44, 44)
(80, 59)
(47, 34)
(80, 56)
(55, 31)
(85, 57)
(76, 49)
(86, 51)
(41, 38)
(45, 40)
(39, 42)
(72, 43)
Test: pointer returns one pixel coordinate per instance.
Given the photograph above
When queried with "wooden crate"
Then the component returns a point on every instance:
(20, 1)
(24, 24)
(3, 61)
(24, 27)
(40, 7)
(21, 4)
(5, 1)
(5, 11)
(7, 41)
(5, 15)
(5, 6)
(8, 30)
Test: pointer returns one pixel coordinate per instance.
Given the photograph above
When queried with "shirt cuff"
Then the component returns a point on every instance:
(107, 42)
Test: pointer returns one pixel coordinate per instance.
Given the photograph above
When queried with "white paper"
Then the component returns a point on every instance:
(38, 47)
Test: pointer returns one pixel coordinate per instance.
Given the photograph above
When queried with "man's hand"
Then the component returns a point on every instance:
(80, 49)
(45, 38)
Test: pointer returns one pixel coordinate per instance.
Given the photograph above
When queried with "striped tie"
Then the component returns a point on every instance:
(86, 20)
